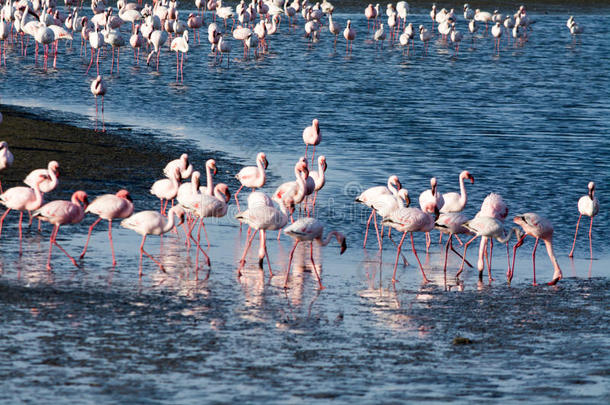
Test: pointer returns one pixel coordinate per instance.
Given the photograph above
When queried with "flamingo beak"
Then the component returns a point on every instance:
(266, 163)
(343, 246)
(407, 201)
(471, 178)
(215, 170)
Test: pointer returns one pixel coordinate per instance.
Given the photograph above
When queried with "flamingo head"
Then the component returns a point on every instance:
(41, 178)
(124, 194)
(322, 162)
(80, 196)
(263, 159)
(421, 28)
(591, 187)
(302, 167)
(211, 164)
(54, 167)
(349, 23)
(3, 145)
(177, 174)
(195, 176)
(404, 194)
(223, 189)
(185, 160)
(433, 184)
(179, 212)
(466, 6)
(394, 181)
(466, 175)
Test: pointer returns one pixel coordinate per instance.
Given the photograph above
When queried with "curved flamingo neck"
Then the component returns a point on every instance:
(209, 180)
(170, 222)
(330, 236)
(391, 187)
(463, 195)
(261, 168)
(321, 175)
(300, 185)
(37, 195)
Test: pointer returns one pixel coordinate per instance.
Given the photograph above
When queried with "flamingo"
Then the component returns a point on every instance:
(482, 16)
(410, 220)
(589, 206)
(402, 8)
(157, 39)
(252, 176)
(468, 12)
(6, 157)
(186, 168)
(473, 27)
(115, 40)
(292, 191)
(430, 201)
(61, 212)
(109, 207)
(166, 189)
(496, 31)
(319, 178)
(310, 229)
(153, 223)
(96, 40)
(371, 14)
(425, 36)
(454, 202)
(210, 205)
(385, 204)
(312, 136)
(432, 15)
(488, 227)
(263, 218)
(98, 88)
(22, 199)
(452, 223)
(539, 228)
(456, 38)
(136, 41)
(406, 38)
(224, 47)
(349, 34)
(195, 22)
(180, 45)
(51, 174)
(379, 36)
(334, 28)
(44, 36)
(368, 196)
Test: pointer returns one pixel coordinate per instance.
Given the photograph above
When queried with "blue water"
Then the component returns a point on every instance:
(530, 124)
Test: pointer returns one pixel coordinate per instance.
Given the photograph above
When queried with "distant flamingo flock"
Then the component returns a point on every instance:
(191, 203)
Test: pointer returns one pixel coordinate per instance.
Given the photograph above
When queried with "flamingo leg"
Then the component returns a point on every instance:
(491, 251)
(576, 233)
(534, 258)
(236, 200)
(446, 253)
(464, 256)
(314, 266)
(458, 253)
(2, 219)
(296, 242)
(53, 233)
(366, 233)
(110, 240)
(20, 231)
(377, 229)
(590, 240)
(243, 258)
(512, 269)
(62, 249)
(97, 221)
(397, 256)
(415, 253)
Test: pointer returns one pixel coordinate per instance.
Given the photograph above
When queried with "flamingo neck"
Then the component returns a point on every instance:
(330, 236)
(300, 186)
(463, 195)
(209, 180)
(392, 189)
(170, 222)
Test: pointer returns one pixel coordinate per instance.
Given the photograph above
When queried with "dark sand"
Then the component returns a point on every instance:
(93, 161)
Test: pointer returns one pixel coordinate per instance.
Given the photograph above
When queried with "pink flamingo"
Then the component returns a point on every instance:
(263, 218)
(195, 22)
(489, 228)
(109, 207)
(22, 199)
(153, 223)
(589, 206)
(319, 178)
(493, 206)
(98, 88)
(410, 220)
(136, 41)
(370, 195)
(371, 14)
(291, 192)
(349, 34)
(180, 45)
(539, 228)
(312, 136)
(96, 41)
(51, 174)
(452, 223)
(115, 40)
(60, 212)
(454, 202)
(166, 189)
(6, 157)
(252, 176)
(310, 229)
(430, 201)
(186, 168)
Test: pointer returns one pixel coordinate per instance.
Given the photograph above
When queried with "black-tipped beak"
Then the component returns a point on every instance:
(260, 263)
(407, 202)
(343, 246)
(266, 163)
(471, 178)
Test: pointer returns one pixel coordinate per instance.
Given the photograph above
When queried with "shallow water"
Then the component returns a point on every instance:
(530, 124)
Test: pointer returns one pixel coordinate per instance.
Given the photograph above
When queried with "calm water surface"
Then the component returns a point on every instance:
(531, 124)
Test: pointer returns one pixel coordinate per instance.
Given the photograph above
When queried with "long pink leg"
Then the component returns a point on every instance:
(296, 242)
(314, 266)
(2, 219)
(150, 256)
(491, 251)
(534, 259)
(53, 233)
(103, 120)
(368, 223)
(20, 232)
(112, 63)
(89, 236)
(63, 250)
(177, 66)
(243, 258)
(576, 233)
(512, 269)
(118, 61)
(110, 239)
(464, 256)
(446, 252)
(376, 229)
(415, 253)
(236, 200)
(398, 256)
(590, 240)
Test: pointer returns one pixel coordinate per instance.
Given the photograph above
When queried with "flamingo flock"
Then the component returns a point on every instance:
(152, 27)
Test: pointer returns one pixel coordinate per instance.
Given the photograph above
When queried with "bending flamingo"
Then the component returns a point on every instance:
(589, 206)
(166, 189)
(186, 168)
(368, 196)
(60, 212)
(540, 228)
(109, 207)
(153, 223)
(310, 229)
